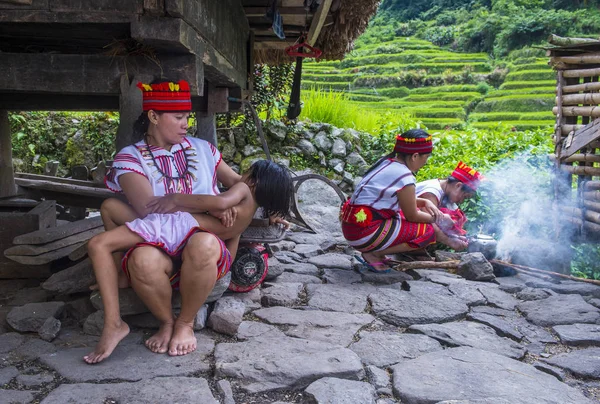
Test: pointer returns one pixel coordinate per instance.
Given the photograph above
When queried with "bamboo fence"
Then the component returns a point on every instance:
(577, 65)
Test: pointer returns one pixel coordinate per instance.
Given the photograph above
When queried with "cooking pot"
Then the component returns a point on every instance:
(484, 244)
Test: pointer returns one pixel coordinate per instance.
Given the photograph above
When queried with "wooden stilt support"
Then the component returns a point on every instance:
(7, 176)
(130, 108)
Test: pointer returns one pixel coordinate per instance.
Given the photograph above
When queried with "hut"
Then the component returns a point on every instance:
(89, 55)
(577, 132)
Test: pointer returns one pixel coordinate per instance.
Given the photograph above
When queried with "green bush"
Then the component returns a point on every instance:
(448, 88)
(516, 103)
(71, 138)
(394, 92)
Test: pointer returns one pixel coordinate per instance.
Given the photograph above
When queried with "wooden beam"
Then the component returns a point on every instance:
(39, 73)
(318, 21)
(7, 179)
(580, 139)
(261, 11)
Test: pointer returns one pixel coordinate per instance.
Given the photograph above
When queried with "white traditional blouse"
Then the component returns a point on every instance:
(378, 188)
(190, 167)
(434, 187)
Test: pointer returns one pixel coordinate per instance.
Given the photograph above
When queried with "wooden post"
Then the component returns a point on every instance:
(130, 108)
(206, 127)
(7, 175)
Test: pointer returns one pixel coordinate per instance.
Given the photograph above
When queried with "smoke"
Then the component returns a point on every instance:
(519, 196)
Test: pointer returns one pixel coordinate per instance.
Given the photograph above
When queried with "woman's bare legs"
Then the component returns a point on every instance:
(149, 269)
(198, 277)
(100, 249)
(116, 213)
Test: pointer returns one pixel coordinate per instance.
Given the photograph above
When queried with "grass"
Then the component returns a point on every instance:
(512, 85)
(527, 75)
(335, 108)
(517, 125)
(512, 116)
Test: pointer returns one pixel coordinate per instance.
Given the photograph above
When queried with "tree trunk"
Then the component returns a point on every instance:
(7, 175)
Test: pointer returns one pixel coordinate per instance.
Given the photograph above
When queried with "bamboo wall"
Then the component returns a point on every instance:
(577, 104)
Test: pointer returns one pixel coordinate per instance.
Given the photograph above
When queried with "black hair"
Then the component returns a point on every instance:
(412, 134)
(272, 186)
(464, 188)
(141, 124)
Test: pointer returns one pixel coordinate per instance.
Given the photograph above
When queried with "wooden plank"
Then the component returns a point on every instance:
(76, 190)
(575, 99)
(46, 212)
(318, 21)
(578, 111)
(35, 5)
(57, 233)
(49, 17)
(78, 253)
(580, 139)
(21, 2)
(45, 258)
(60, 180)
(32, 250)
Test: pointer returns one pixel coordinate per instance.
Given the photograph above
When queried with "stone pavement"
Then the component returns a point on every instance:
(319, 331)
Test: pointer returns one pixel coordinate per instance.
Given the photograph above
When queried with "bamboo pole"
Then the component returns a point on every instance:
(591, 195)
(582, 170)
(567, 129)
(573, 220)
(543, 272)
(582, 72)
(592, 216)
(575, 99)
(595, 206)
(578, 111)
(588, 58)
(581, 87)
(592, 186)
(405, 266)
(571, 211)
(580, 157)
(566, 41)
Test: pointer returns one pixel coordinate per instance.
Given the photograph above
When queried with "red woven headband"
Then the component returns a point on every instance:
(410, 145)
(467, 175)
(166, 97)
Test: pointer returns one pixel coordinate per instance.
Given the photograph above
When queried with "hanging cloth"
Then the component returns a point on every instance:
(274, 16)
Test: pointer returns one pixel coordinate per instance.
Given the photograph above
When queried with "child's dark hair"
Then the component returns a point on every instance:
(413, 134)
(141, 124)
(272, 184)
(464, 188)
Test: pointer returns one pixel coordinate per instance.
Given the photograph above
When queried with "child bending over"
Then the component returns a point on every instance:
(265, 184)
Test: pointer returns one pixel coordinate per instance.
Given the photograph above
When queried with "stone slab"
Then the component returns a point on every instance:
(16, 396)
(264, 364)
(402, 308)
(578, 334)
(177, 389)
(130, 362)
(291, 277)
(331, 260)
(558, 310)
(333, 327)
(340, 391)
(302, 268)
(583, 363)
(281, 294)
(501, 326)
(336, 297)
(385, 348)
(341, 276)
(472, 374)
(498, 298)
(253, 329)
(472, 334)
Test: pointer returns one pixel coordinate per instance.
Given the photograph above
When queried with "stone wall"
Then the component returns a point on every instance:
(323, 148)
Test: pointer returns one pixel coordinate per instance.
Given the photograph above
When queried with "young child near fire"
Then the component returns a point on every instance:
(384, 215)
(266, 184)
(447, 194)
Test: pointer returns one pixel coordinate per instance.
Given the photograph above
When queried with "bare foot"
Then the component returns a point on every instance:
(159, 342)
(457, 244)
(111, 336)
(184, 340)
(123, 282)
(376, 262)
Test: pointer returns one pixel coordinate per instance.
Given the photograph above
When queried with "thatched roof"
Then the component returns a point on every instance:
(345, 21)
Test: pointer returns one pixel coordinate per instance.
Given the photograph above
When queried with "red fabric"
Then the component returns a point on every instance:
(166, 97)
(467, 175)
(459, 219)
(413, 145)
